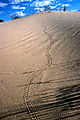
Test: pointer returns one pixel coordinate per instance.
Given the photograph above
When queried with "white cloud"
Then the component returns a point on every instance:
(52, 7)
(67, 5)
(18, 13)
(3, 4)
(18, 7)
(57, 1)
(21, 13)
(59, 4)
(39, 9)
(18, 1)
(42, 3)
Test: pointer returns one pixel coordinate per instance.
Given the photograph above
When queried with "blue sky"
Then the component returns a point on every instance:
(23, 8)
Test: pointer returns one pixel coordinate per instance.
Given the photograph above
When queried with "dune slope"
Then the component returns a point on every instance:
(40, 67)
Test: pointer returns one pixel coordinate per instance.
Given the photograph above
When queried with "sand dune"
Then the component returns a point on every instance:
(40, 67)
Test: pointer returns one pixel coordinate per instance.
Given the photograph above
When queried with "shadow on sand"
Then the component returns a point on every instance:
(65, 106)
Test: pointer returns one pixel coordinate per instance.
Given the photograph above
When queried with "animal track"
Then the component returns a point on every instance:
(36, 74)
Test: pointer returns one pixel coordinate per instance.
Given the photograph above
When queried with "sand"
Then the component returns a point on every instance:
(40, 67)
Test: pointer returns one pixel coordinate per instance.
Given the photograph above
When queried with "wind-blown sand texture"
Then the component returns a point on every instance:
(40, 67)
